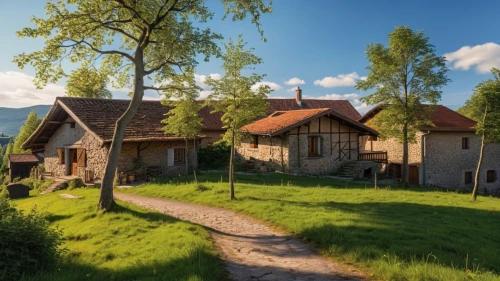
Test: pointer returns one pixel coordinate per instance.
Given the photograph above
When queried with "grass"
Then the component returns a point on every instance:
(391, 233)
(128, 243)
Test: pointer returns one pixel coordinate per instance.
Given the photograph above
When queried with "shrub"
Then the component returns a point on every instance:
(37, 184)
(75, 183)
(28, 245)
(214, 156)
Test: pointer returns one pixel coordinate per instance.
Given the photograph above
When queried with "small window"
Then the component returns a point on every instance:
(179, 156)
(313, 146)
(491, 176)
(254, 143)
(465, 143)
(468, 177)
(72, 125)
(60, 156)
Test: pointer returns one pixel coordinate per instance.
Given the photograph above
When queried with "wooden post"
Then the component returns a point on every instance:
(376, 180)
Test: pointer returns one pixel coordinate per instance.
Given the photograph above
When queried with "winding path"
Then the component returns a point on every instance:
(250, 249)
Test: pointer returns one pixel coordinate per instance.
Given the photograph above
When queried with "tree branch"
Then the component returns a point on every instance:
(111, 52)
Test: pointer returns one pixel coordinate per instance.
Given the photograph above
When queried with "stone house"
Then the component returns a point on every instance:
(306, 141)
(445, 154)
(75, 136)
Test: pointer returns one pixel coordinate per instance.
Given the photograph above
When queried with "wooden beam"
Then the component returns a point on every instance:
(53, 122)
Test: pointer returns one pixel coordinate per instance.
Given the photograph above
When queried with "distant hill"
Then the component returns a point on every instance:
(11, 119)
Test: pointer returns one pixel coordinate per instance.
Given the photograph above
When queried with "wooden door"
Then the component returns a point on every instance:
(73, 160)
(413, 175)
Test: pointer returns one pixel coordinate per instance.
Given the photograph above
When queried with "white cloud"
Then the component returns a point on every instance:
(200, 79)
(204, 94)
(150, 98)
(295, 81)
(292, 90)
(341, 80)
(339, 97)
(272, 85)
(17, 90)
(483, 57)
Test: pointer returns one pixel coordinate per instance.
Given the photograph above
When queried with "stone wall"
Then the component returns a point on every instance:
(394, 149)
(211, 137)
(447, 162)
(272, 152)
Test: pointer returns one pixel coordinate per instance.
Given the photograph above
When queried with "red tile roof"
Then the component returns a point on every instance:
(283, 121)
(23, 158)
(444, 119)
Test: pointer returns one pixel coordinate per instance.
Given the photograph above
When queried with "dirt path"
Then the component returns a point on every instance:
(250, 249)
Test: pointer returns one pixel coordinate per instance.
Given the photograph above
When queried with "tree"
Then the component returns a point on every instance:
(88, 83)
(405, 75)
(133, 41)
(234, 97)
(26, 131)
(484, 108)
(183, 119)
(5, 160)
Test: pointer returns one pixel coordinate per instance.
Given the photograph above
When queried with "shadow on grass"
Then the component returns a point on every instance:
(450, 236)
(53, 217)
(122, 208)
(197, 264)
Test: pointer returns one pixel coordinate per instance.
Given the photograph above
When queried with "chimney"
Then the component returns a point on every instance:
(298, 96)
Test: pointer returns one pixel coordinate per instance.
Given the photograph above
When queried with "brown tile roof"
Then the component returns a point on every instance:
(283, 121)
(444, 119)
(98, 116)
(23, 158)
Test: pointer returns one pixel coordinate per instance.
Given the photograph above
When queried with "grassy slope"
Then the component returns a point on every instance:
(413, 234)
(128, 243)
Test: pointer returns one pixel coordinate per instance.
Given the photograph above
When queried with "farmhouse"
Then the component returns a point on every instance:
(445, 154)
(307, 141)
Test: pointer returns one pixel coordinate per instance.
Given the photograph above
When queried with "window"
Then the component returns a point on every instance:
(491, 176)
(179, 157)
(465, 143)
(468, 177)
(254, 143)
(313, 146)
(72, 125)
(60, 156)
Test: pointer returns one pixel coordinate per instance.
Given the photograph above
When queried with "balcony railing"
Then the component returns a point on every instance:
(380, 156)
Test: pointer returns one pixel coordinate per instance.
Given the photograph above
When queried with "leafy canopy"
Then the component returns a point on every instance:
(156, 37)
(405, 75)
(484, 108)
(5, 160)
(235, 95)
(88, 83)
(26, 131)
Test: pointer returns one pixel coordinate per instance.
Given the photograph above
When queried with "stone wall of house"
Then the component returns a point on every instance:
(154, 154)
(447, 162)
(272, 153)
(394, 148)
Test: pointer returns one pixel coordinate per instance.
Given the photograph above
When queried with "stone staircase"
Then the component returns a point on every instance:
(349, 170)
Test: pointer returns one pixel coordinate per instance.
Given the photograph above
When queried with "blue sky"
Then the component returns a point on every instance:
(320, 42)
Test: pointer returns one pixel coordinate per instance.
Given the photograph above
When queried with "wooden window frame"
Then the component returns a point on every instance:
(313, 146)
(60, 155)
(254, 143)
(468, 178)
(491, 176)
(179, 155)
(465, 143)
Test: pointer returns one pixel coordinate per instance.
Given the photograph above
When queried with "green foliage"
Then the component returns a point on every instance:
(127, 243)
(214, 156)
(75, 183)
(232, 95)
(484, 108)
(5, 160)
(405, 75)
(37, 184)
(26, 131)
(28, 245)
(88, 83)
(396, 233)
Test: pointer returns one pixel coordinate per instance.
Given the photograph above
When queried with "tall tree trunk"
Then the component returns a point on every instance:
(404, 170)
(195, 160)
(186, 157)
(231, 168)
(106, 197)
(480, 163)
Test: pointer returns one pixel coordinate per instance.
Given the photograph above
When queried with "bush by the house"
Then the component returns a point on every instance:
(214, 156)
(37, 184)
(27, 244)
(75, 183)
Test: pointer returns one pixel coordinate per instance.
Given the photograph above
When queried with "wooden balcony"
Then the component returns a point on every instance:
(375, 156)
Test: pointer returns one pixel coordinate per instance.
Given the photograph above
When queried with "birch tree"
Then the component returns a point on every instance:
(405, 75)
(234, 97)
(139, 43)
(484, 108)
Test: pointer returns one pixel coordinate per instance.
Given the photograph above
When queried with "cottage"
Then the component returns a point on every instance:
(307, 141)
(20, 165)
(445, 154)
(75, 136)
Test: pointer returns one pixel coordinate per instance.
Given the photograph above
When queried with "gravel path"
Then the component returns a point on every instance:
(250, 249)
